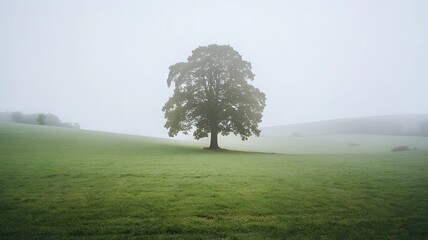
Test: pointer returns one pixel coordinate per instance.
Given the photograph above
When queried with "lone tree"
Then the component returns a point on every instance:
(41, 118)
(212, 95)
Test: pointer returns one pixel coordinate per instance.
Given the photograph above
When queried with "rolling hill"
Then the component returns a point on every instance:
(401, 125)
(62, 183)
(360, 135)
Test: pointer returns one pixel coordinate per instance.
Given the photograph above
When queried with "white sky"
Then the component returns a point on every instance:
(104, 64)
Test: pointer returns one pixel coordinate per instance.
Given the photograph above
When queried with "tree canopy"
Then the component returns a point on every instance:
(41, 118)
(212, 95)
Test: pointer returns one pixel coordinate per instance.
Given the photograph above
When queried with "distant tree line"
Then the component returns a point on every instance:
(48, 119)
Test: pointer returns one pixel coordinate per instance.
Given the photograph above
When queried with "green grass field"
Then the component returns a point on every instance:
(326, 144)
(71, 184)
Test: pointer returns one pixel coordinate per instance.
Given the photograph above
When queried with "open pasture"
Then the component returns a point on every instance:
(72, 184)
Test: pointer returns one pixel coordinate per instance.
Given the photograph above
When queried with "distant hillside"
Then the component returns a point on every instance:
(379, 134)
(51, 119)
(403, 125)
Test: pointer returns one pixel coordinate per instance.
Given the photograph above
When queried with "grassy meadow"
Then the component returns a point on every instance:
(326, 144)
(58, 183)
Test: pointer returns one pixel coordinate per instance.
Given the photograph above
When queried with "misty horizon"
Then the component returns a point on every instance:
(105, 64)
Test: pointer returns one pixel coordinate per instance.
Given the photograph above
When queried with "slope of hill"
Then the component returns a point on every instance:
(407, 125)
(361, 135)
(325, 143)
(60, 183)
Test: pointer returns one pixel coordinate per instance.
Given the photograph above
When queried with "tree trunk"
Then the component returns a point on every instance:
(214, 142)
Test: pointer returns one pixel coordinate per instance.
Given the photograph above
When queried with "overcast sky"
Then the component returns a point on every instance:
(104, 64)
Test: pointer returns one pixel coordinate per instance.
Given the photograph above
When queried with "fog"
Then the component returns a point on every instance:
(104, 64)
